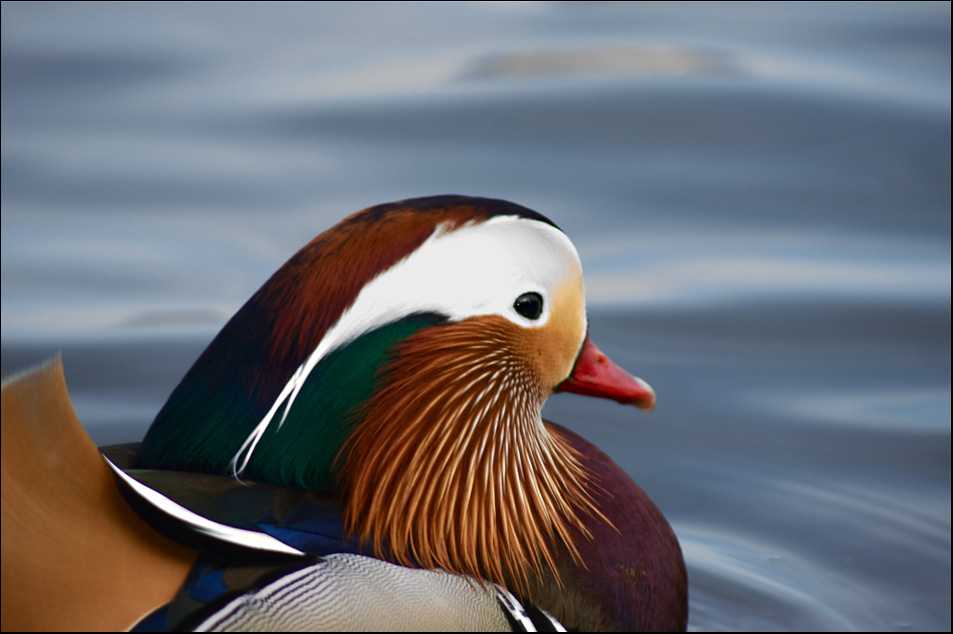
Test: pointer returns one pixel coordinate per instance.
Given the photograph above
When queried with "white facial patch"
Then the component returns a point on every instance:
(477, 269)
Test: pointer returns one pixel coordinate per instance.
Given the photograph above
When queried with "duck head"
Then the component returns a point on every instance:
(403, 358)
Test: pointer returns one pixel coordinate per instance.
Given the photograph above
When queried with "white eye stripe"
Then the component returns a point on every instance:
(477, 269)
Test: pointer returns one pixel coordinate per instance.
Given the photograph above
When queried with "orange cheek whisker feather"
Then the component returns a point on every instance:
(485, 492)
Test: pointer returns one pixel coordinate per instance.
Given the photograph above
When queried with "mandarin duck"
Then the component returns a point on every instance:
(360, 447)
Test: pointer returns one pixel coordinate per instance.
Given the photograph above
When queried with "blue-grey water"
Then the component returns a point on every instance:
(760, 194)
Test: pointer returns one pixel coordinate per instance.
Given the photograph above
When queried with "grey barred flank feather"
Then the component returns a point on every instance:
(353, 592)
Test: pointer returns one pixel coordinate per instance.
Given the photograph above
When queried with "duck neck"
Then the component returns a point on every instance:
(211, 414)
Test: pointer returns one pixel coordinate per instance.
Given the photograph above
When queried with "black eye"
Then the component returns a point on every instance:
(529, 305)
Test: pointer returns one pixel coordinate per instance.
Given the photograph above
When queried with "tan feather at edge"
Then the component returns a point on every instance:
(75, 556)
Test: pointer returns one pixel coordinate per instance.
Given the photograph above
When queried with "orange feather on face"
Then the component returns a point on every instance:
(452, 466)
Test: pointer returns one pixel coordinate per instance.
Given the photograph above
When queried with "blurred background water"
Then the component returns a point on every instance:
(760, 194)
